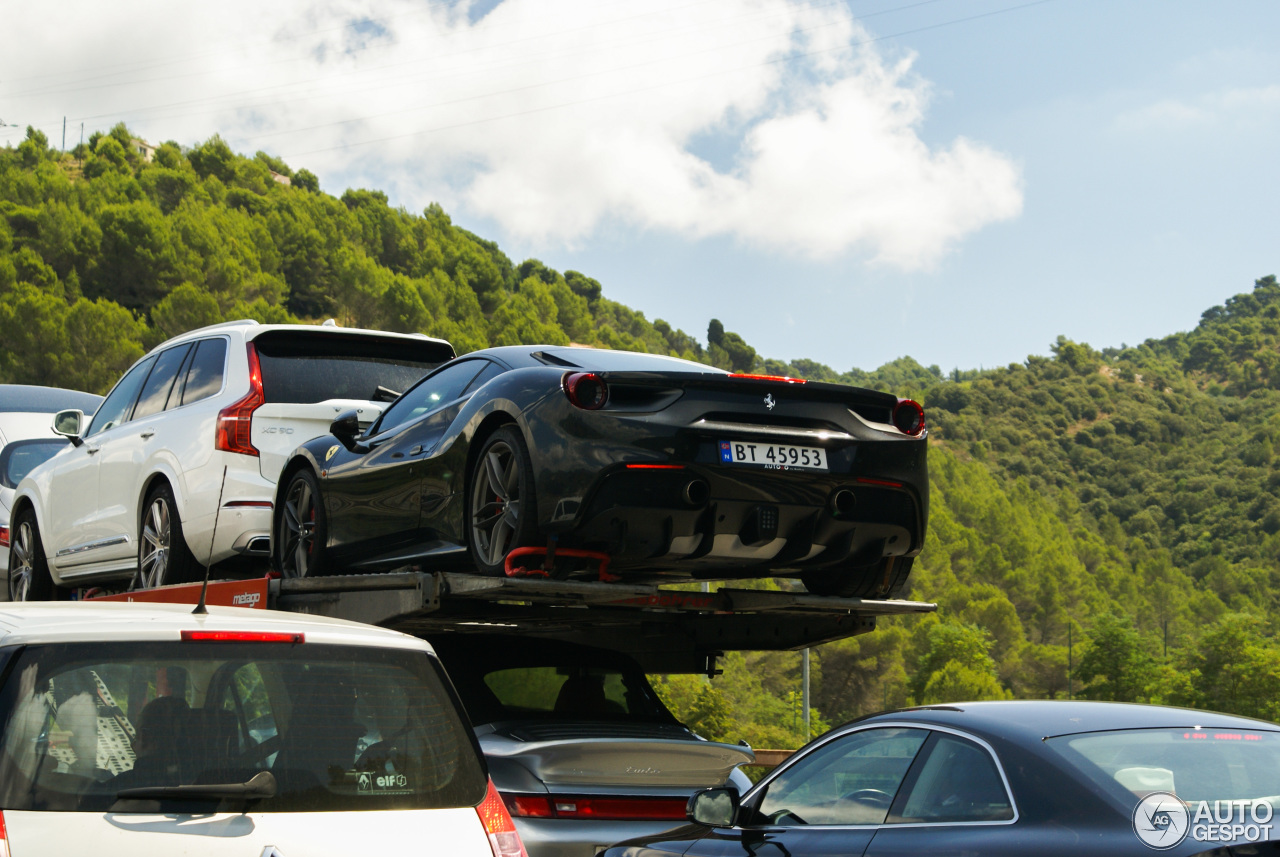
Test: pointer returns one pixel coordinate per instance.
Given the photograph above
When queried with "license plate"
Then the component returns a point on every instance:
(774, 456)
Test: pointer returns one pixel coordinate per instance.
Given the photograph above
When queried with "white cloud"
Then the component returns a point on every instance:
(549, 116)
(1206, 110)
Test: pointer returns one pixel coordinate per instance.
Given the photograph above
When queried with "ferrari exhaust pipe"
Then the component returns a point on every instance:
(842, 503)
(696, 492)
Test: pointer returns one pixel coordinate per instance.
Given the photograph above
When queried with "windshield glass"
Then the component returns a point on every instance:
(338, 728)
(19, 457)
(1197, 765)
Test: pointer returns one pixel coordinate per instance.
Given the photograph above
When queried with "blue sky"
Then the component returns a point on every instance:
(844, 180)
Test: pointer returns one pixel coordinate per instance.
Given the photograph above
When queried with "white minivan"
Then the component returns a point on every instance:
(129, 730)
(177, 468)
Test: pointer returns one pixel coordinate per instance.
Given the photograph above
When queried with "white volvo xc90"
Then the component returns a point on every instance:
(178, 466)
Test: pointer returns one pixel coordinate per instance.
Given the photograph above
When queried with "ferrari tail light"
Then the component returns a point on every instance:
(4, 537)
(235, 420)
(598, 808)
(586, 390)
(503, 839)
(786, 378)
(908, 416)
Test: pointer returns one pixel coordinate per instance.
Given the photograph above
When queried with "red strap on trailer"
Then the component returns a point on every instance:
(550, 554)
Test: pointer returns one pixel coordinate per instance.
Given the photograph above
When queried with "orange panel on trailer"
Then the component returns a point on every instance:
(225, 593)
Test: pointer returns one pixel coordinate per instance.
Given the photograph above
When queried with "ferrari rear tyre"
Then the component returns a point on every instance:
(886, 578)
(502, 512)
(163, 555)
(300, 529)
(29, 578)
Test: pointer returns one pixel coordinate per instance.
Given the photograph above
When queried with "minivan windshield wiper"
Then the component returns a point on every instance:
(260, 785)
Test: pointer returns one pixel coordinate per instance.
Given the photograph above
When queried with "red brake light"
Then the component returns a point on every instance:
(503, 839)
(908, 416)
(586, 390)
(655, 467)
(4, 543)
(4, 838)
(600, 808)
(787, 378)
(235, 420)
(243, 637)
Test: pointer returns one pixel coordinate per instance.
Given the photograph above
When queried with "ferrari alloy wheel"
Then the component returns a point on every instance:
(502, 510)
(300, 533)
(163, 556)
(29, 578)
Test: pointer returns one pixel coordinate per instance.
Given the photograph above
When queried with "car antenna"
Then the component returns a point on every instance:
(201, 610)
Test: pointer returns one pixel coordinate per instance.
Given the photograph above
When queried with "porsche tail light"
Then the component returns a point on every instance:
(4, 537)
(503, 839)
(586, 390)
(235, 420)
(598, 808)
(908, 416)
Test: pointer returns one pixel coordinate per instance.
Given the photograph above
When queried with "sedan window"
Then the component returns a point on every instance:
(439, 389)
(849, 781)
(957, 782)
(115, 409)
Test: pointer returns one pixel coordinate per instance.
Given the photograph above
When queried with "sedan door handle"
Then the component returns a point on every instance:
(148, 434)
(92, 450)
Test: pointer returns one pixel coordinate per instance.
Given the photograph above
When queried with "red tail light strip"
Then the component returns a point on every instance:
(785, 378)
(600, 808)
(655, 467)
(867, 480)
(4, 537)
(243, 637)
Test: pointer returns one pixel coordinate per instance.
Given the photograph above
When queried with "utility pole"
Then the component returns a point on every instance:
(804, 695)
(1071, 665)
(64, 133)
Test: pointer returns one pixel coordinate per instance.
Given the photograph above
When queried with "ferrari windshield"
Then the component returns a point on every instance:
(1198, 765)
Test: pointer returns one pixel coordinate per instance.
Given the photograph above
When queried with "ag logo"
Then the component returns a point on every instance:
(769, 402)
(333, 450)
(1161, 820)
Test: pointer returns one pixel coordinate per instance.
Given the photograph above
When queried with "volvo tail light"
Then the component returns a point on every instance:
(908, 416)
(235, 420)
(4, 537)
(503, 839)
(586, 390)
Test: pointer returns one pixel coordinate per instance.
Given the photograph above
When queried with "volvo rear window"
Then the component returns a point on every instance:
(302, 368)
(115, 727)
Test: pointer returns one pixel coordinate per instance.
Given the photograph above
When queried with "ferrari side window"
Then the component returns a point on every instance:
(849, 781)
(438, 389)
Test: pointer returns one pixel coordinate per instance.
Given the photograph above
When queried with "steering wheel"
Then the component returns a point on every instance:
(874, 797)
(784, 817)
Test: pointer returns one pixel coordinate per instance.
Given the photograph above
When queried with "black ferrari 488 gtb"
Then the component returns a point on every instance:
(652, 466)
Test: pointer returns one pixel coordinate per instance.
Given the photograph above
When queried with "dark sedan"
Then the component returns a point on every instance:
(650, 465)
(1048, 779)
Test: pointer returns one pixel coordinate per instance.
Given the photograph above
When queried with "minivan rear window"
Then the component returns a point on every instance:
(302, 368)
(339, 728)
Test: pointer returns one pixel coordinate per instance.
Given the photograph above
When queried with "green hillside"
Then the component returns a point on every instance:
(1111, 510)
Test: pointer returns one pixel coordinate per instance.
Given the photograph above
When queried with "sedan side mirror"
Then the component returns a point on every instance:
(346, 428)
(716, 807)
(69, 424)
